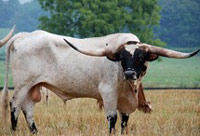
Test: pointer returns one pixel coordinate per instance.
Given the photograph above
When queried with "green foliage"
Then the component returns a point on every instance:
(179, 22)
(87, 18)
(144, 17)
(179, 25)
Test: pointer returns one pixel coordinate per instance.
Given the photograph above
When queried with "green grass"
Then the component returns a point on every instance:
(2, 67)
(174, 73)
(2, 74)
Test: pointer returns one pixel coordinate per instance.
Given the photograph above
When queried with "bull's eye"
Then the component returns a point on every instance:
(142, 60)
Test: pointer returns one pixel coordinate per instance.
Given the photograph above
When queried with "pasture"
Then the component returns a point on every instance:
(176, 113)
(174, 73)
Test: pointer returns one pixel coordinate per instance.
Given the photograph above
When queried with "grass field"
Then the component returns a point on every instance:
(176, 113)
(174, 73)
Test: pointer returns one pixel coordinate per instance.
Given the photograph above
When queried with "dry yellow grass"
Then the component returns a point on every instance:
(176, 113)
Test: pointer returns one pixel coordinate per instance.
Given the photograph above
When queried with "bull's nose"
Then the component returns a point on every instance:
(130, 74)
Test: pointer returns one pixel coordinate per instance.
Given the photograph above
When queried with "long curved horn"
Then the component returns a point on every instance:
(7, 37)
(98, 53)
(167, 52)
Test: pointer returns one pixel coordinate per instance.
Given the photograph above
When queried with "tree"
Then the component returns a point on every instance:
(87, 18)
(145, 15)
(180, 23)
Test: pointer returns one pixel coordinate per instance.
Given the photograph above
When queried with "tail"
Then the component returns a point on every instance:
(5, 98)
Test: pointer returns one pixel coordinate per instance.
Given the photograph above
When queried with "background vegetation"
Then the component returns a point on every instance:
(179, 20)
(25, 16)
(179, 24)
(88, 18)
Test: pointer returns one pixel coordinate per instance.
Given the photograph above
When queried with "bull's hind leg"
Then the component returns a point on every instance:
(32, 98)
(14, 109)
(25, 99)
(124, 122)
(15, 105)
(28, 111)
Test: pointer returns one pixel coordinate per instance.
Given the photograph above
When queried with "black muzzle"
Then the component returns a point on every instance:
(130, 74)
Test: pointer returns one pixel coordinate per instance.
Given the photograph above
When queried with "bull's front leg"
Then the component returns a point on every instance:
(124, 123)
(110, 97)
(112, 119)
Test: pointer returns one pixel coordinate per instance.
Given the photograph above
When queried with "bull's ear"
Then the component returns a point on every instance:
(151, 57)
(114, 57)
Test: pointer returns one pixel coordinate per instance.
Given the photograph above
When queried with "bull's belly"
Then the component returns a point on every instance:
(67, 91)
(127, 100)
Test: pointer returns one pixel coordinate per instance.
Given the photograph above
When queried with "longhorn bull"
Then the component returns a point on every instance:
(118, 63)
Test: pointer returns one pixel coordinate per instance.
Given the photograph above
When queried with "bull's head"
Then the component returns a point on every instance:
(133, 56)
